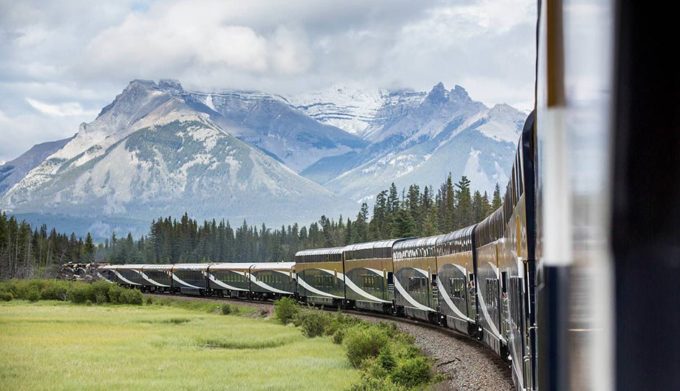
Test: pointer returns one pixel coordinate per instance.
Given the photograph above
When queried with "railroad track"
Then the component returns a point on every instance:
(466, 362)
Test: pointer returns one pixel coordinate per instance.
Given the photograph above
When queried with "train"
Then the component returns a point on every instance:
(574, 279)
(474, 280)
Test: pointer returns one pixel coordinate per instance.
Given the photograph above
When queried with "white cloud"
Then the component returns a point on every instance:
(20, 132)
(64, 60)
(67, 109)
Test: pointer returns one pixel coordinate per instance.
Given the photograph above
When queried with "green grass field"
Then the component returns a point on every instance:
(56, 345)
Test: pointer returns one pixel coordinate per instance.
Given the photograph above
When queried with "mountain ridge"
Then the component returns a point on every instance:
(263, 157)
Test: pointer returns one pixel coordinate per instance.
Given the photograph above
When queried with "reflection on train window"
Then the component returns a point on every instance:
(457, 287)
(417, 283)
(369, 281)
(325, 281)
(492, 293)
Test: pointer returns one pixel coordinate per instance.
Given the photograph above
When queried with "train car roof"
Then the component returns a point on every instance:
(490, 217)
(154, 266)
(320, 251)
(252, 266)
(377, 244)
(122, 267)
(461, 233)
(417, 242)
(191, 266)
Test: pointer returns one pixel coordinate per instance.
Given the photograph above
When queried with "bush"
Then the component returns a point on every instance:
(339, 322)
(98, 292)
(313, 323)
(131, 296)
(338, 336)
(226, 309)
(286, 309)
(363, 342)
(33, 296)
(55, 291)
(113, 293)
(26, 289)
(6, 296)
(100, 289)
(376, 384)
(386, 359)
(412, 372)
(149, 301)
(80, 293)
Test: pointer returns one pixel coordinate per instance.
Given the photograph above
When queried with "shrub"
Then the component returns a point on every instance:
(98, 292)
(100, 289)
(54, 291)
(364, 342)
(339, 322)
(100, 298)
(286, 309)
(226, 309)
(313, 323)
(376, 384)
(131, 296)
(6, 296)
(33, 296)
(338, 336)
(80, 293)
(26, 289)
(412, 372)
(386, 358)
(113, 293)
(149, 301)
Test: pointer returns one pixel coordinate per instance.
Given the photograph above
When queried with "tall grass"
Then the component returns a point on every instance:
(59, 346)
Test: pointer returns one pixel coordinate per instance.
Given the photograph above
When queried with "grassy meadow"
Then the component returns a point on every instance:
(57, 345)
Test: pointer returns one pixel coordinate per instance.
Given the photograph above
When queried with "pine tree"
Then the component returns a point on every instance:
(379, 225)
(360, 226)
(497, 200)
(478, 207)
(464, 211)
(449, 206)
(88, 249)
(403, 225)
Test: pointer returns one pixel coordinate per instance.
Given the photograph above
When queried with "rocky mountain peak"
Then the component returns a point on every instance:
(437, 94)
(459, 93)
(170, 85)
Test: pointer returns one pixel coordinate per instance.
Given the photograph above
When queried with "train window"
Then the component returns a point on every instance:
(417, 283)
(492, 293)
(457, 287)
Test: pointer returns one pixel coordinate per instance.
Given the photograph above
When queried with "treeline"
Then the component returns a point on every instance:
(414, 212)
(27, 252)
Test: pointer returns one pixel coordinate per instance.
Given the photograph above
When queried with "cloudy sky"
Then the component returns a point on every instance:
(62, 61)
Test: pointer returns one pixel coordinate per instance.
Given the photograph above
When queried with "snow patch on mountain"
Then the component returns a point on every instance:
(353, 109)
(446, 132)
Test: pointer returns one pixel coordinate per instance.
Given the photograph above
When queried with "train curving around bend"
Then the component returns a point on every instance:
(474, 280)
(574, 279)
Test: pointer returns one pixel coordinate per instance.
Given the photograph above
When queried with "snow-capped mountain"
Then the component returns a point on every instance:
(158, 149)
(446, 132)
(153, 152)
(353, 109)
(13, 171)
(271, 124)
